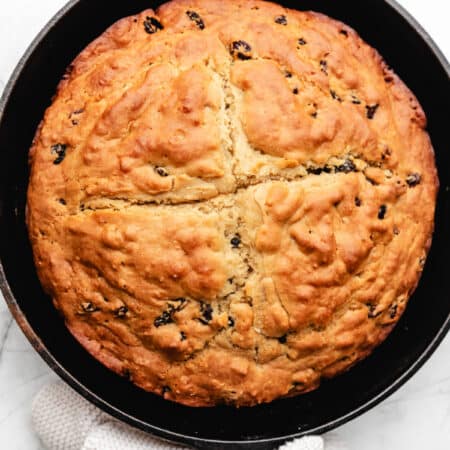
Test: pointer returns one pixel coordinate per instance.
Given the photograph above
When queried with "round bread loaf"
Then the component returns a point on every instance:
(230, 201)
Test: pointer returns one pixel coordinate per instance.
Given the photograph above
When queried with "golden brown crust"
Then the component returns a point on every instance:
(230, 201)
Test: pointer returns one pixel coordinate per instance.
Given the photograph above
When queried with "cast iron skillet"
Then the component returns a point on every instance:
(414, 57)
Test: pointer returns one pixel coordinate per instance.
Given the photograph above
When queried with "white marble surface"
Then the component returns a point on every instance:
(417, 417)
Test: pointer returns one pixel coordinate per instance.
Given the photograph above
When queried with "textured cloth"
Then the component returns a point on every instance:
(66, 421)
(307, 443)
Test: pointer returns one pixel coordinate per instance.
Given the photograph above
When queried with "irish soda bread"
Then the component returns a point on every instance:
(230, 201)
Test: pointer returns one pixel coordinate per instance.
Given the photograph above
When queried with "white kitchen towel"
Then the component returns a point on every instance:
(66, 421)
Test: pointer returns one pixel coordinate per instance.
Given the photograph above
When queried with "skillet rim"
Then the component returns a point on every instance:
(54, 364)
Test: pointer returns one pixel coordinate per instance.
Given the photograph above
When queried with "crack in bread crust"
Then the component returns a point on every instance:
(347, 164)
(226, 207)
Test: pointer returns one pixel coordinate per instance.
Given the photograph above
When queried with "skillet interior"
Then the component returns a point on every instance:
(415, 337)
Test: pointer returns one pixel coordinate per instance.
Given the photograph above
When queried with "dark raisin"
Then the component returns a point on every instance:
(236, 241)
(77, 111)
(382, 212)
(295, 91)
(358, 202)
(347, 167)
(386, 154)
(314, 170)
(314, 114)
(372, 314)
(164, 319)
(301, 41)
(371, 110)
(62, 201)
(324, 66)
(152, 25)
(413, 179)
(206, 312)
(183, 336)
(121, 312)
(335, 95)
(241, 50)
(75, 122)
(60, 151)
(344, 32)
(230, 321)
(281, 20)
(288, 74)
(282, 339)
(389, 79)
(393, 311)
(355, 100)
(195, 17)
(396, 231)
(89, 307)
(161, 171)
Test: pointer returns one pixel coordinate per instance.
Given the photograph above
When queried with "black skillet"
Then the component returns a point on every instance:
(414, 57)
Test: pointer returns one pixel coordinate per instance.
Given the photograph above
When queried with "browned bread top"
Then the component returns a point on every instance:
(230, 201)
